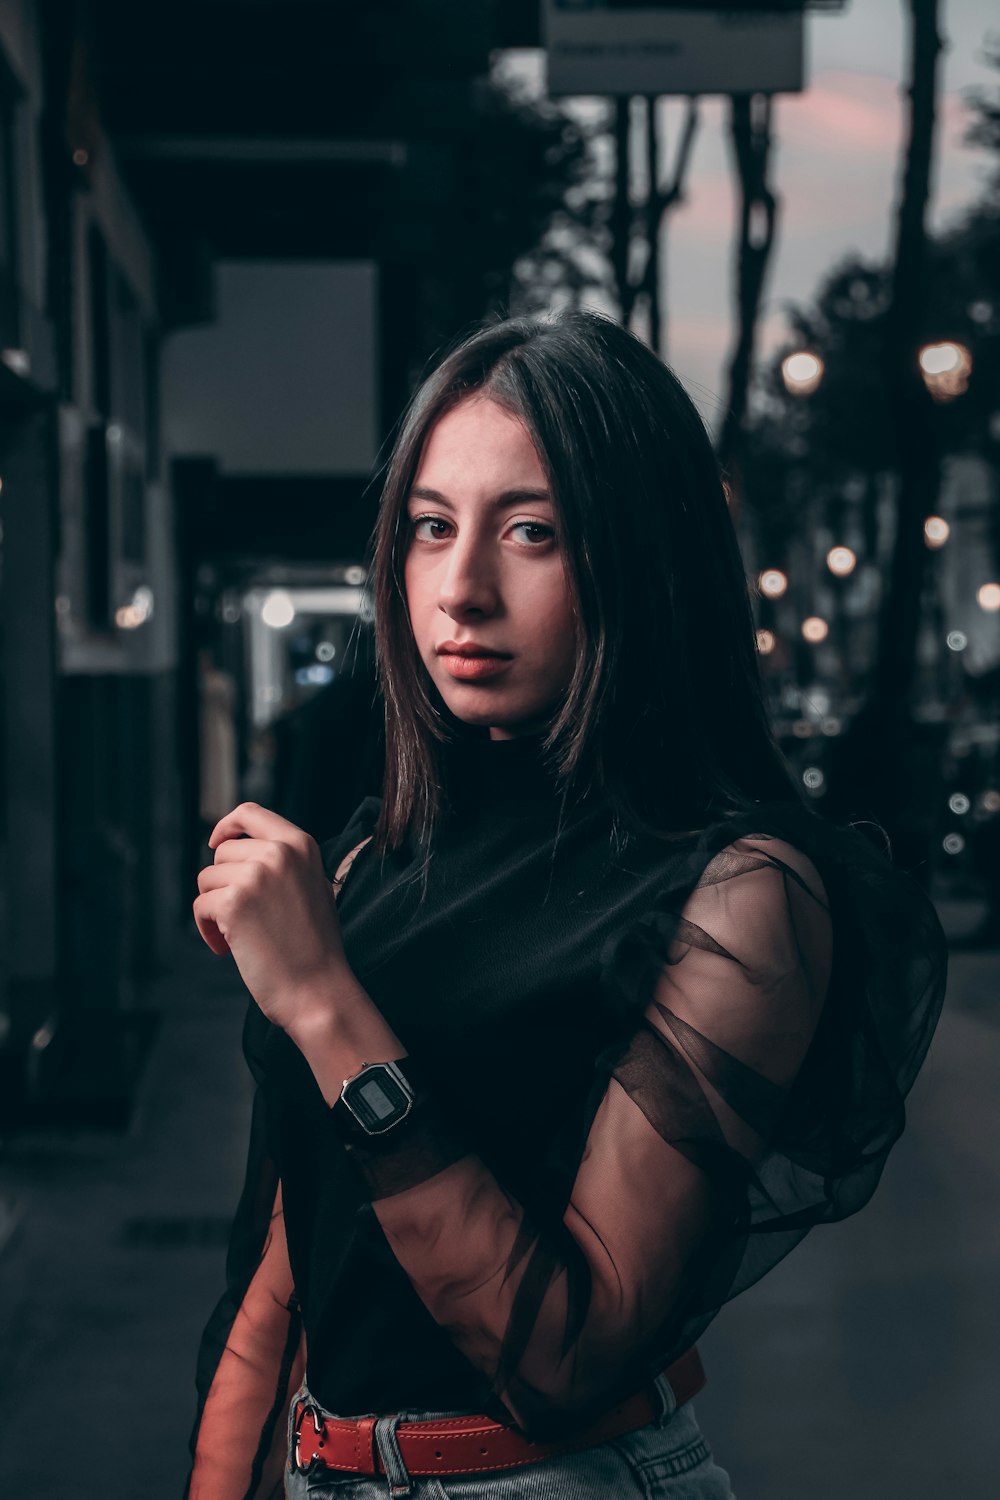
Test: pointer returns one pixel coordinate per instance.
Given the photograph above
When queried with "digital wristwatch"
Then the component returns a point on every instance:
(377, 1098)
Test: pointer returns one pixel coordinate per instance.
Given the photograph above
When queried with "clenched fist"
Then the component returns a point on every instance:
(267, 900)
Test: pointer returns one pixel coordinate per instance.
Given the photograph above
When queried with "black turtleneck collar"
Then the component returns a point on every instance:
(516, 774)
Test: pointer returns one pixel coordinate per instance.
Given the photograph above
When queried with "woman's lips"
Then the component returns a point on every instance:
(473, 668)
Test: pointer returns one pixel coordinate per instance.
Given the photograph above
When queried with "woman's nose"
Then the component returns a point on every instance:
(469, 584)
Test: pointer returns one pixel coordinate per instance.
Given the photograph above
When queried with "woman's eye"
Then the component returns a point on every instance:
(437, 528)
(424, 528)
(535, 532)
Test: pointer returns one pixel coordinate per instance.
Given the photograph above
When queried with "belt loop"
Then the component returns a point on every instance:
(397, 1474)
(364, 1445)
(667, 1400)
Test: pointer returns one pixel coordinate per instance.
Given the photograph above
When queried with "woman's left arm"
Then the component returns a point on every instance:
(560, 1317)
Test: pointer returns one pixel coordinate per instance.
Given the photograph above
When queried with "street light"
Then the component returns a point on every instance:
(815, 629)
(802, 372)
(138, 610)
(278, 609)
(841, 561)
(936, 532)
(946, 369)
(772, 583)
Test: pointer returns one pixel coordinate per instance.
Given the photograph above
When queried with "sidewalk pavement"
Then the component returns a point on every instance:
(117, 1258)
(864, 1365)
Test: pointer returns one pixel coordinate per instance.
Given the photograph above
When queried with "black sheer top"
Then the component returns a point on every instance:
(653, 1067)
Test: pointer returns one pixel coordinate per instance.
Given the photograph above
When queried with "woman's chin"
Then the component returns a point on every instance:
(472, 705)
(501, 726)
(479, 709)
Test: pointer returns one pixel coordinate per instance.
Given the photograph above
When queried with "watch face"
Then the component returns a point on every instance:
(376, 1100)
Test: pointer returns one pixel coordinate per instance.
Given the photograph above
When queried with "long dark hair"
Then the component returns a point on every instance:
(665, 711)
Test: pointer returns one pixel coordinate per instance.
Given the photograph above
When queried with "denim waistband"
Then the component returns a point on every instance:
(586, 1470)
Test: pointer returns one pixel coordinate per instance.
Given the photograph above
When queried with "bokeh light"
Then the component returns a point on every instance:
(765, 642)
(278, 609)
(957, 640)
(938, 359)
(841, 561)
(772, 582)
(815, 629)
(138, 610)
(936, 531)
(946, 369)
(816, 700)
(988, 597)
(802, 372)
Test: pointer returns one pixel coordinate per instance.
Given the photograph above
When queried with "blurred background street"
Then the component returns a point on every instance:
(232, 234)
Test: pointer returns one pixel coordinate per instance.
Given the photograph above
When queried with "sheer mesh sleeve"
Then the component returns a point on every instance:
(240, 1448)
(565, 1317)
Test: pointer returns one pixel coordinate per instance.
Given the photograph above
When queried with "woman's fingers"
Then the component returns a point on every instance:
(265, 899)
(208, 928)
(260, 823)
(284, 861)
(228, 873)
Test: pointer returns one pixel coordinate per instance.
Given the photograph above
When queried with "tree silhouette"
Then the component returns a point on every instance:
(750, 139)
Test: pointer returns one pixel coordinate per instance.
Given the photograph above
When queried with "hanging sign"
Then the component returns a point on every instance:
(631, 47)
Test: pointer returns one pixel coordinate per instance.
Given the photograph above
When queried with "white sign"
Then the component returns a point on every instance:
(626, 47)
(285, 380)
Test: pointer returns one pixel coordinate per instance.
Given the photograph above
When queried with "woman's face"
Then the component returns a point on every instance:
(486, 586)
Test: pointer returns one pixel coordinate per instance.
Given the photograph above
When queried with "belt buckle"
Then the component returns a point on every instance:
(306, 1408)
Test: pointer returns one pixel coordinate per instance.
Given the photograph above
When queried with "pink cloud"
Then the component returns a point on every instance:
(836, 162)
(846, 111)
(709, 209)
(842, 112)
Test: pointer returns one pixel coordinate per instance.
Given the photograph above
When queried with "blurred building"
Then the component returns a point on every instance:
(89, 652)
(221, 268)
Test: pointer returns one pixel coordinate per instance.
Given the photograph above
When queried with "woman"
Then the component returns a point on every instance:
(649, 1018)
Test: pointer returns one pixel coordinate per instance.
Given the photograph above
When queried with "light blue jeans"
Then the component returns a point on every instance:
(668, 1459)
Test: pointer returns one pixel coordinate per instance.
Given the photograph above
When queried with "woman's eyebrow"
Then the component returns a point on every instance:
(504, 500)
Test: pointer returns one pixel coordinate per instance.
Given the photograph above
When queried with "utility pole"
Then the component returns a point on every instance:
(750, 139)
(888, 764)
(918, 461)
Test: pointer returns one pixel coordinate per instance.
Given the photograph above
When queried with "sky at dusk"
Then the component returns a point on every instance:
(835, 168)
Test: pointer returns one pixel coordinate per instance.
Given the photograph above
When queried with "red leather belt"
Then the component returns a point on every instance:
(466, 1445)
